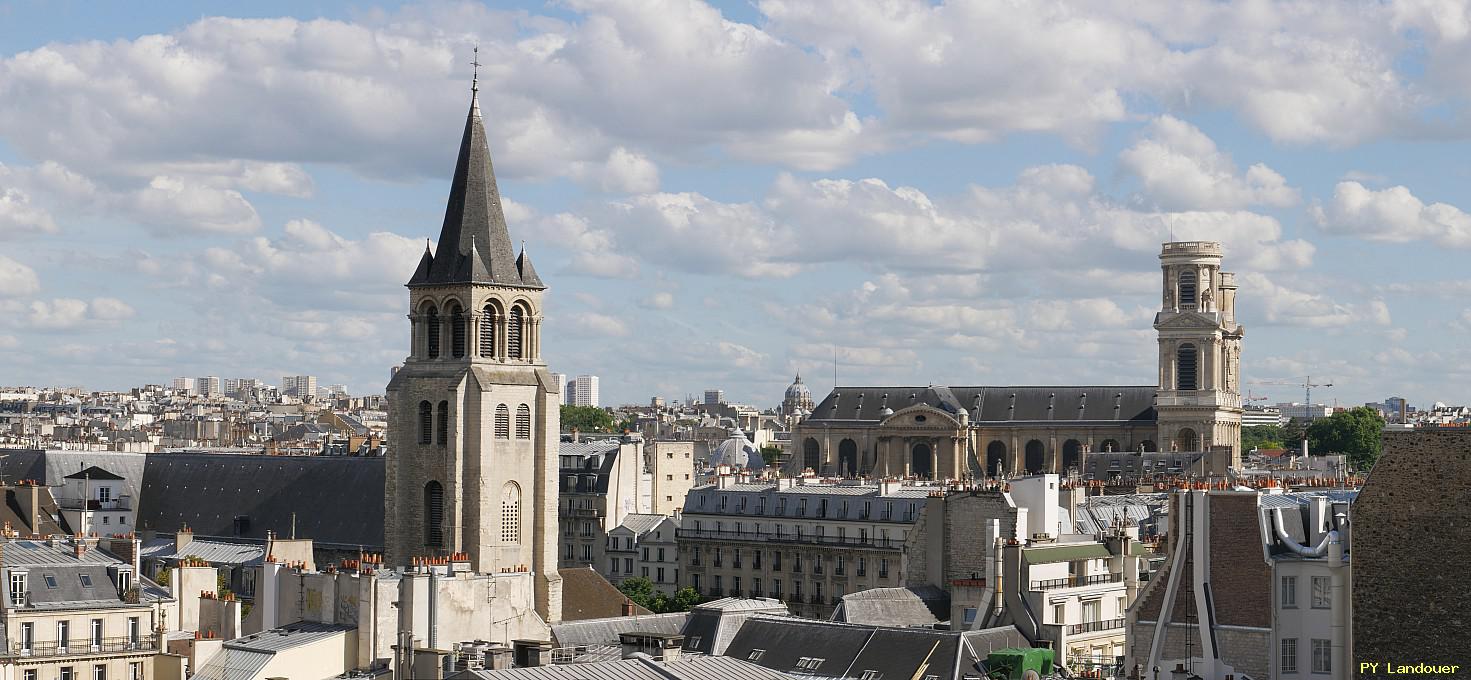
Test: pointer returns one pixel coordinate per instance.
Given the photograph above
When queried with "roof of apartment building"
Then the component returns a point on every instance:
(60, 578)
(96, 474)
(999, 404)
(924, 605)
(640, 523)
(587, 595)
(605, 631)
(1096, 513)
(1296, 509)
(214, 551)
(828, 649)
(712, 625)
(684, 668)
(244, 658)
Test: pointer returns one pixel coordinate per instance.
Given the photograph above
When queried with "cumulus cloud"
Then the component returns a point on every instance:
(68, 314)
(1283, 305)
(1181, 169)
(659, 300)
(594, 324)
(1392, 214)
(19, 216)
(17, 279)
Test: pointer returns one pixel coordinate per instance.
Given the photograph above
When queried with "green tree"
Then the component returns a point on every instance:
(586, 419)
(1262, 437)
(770, 453)
(1357, 433)
(641, 591)
(684, 600)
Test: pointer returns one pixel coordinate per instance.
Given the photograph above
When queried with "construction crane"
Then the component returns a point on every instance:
(1307, 385)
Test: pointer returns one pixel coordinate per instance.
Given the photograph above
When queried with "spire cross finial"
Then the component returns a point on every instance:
(475, 74)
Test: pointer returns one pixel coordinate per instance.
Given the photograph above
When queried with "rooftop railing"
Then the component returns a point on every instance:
(111, 645)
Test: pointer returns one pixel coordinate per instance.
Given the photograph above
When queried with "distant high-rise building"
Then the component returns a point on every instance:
(714, 397)
(299, 386)
(583, 391)
(207, 386)
(656, 402)
(185, 384)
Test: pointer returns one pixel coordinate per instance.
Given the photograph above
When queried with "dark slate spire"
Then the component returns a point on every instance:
(528, 272)
(474, 244)
(421, 273)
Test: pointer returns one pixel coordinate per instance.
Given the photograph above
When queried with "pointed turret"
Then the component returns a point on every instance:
(421, 273)
(474, 244)
(527, 272)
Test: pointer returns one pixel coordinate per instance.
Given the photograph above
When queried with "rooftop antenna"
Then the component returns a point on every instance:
(835, 367)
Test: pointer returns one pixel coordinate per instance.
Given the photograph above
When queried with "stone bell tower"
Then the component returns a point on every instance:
(474, 414)
(1199, 404)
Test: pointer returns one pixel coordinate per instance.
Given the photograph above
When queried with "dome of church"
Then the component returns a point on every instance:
(798, 391)
(737, 452)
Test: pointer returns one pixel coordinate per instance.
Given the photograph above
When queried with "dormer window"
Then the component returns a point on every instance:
(50, 581)
(86, 580)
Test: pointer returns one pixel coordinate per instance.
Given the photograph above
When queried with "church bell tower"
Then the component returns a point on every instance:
(1199, 403)
(474, 413)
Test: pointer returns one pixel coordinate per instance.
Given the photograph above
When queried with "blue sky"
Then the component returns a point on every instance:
(719, 195)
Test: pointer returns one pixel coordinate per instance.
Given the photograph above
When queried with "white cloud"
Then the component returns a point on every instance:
(1392, 214)
(594, 324)
(1181, 169)
(1287, 306)
(68, 314)
(623, 172)
(171, 204)
(659, 300)
(17, 279)
(19, 216)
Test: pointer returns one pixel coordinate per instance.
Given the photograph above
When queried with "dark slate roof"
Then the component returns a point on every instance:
(685, 668)
(997, 404)
(849, 650)
(336, 500)
(474, 244)
(594, 632)
(95, 472)
(924, 605)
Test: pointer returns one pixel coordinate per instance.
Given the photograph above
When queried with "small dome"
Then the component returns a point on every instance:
(798, 391)
(737, 452)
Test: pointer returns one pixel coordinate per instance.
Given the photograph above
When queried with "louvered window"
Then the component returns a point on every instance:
(514, 334)
(458, 331)
(432, 334)
(487, 332)
(523, 422)
(502, 422)
(434, 515)
(442, 427)
(426, 423)
(1186, 364)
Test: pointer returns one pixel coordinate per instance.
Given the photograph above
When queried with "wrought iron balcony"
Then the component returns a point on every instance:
(1095, 626)
(111, 645)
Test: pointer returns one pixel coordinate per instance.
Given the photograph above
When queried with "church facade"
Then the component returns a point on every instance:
(474, 412)
(941, 432)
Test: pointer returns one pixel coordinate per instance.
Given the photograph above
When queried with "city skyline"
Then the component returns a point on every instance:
(1004, 237)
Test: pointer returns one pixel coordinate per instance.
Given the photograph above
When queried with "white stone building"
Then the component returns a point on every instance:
(644, 545)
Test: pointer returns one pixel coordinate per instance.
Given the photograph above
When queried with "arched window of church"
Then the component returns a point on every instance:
(995, 459)
(502, 422)
(523, 422)
(811, 456)
(458, 331)
(488, 319)
(1187, 289)
(514, 333)
(431, 317)
(441, 429)
(1035, 457)
(511, 513)
(434, 515)
(426, 423)
(1185, 368)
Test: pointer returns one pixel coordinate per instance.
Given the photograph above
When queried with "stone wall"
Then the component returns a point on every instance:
(1410, 542)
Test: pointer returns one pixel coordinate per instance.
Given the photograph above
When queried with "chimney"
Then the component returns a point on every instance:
(184, 537)
(79, 546)
(628, 608)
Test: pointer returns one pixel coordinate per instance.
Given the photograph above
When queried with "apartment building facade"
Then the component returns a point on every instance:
(644, 545)
(805, 542)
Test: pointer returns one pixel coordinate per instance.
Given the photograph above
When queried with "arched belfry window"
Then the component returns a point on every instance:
(434, 516)
(523, 422)
(502, 422)
(441, 428)
(431, 317)
(510, 513)
(811, 455)
(1185, 368)
(515, 334)
(459, 331)
(488, 319)
(426, 423)
(1187, 288)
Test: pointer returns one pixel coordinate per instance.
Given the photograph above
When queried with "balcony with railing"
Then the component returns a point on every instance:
(1095, 626)
(802, 539)
(120, 503)
(111, 645)
(1075, 581)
